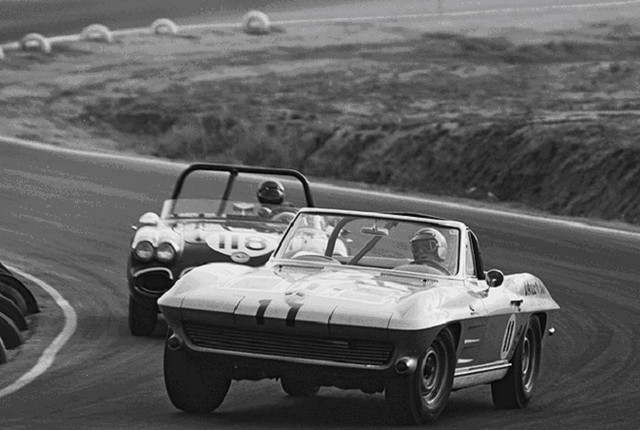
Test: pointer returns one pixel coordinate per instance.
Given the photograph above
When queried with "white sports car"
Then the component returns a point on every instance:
(393, 303)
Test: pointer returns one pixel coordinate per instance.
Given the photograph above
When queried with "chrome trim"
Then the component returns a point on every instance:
(185, 271)
(479, 378)
(471, 341)
(480, 374)
(465, 360)
(480, 368)
(153, 269)
(286, 359)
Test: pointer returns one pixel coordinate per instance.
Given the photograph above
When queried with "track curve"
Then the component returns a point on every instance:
(65, 219)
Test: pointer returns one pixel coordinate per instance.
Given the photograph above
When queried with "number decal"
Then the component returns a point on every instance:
(507, 340)
(291, 315)
(261, 310)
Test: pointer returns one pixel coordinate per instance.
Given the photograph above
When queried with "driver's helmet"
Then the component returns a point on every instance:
(428, 245)
(271, 192)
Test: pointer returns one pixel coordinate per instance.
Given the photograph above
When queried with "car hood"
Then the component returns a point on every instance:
(334, 296)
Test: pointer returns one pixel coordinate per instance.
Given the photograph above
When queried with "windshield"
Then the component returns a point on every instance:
(422, 247)
(211, 210)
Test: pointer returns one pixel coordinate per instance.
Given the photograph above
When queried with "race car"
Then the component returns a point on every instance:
(208, 220)
(381, 302)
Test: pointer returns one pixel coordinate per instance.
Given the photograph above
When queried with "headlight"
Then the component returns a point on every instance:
(165, 252)
(144, 251)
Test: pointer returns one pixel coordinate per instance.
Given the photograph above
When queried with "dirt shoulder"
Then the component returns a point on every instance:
(544, 120)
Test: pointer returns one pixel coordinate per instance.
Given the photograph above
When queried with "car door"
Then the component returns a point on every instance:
(473, 329)
(504, 322)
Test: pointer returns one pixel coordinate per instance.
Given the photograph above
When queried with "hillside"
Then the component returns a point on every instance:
(549, 122)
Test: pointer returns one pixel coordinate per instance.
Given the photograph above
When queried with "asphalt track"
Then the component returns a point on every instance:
(65, 219)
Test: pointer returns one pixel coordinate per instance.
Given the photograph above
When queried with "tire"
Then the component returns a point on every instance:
(12, 294)
(421, 397)
(3, 353)
(516, 389)
(142, 318)
(298, 388)
(10, 309)
(193, 383)
(9, 333)
(11, 283)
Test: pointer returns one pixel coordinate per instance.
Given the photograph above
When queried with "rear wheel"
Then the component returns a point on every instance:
(142, 317)
(193, 383)
(422, 396)
(516, 389)
(298, 388)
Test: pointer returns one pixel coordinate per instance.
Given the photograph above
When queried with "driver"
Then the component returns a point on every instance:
(429, 248)
(271, 196)
(428, 245)
(271, 192)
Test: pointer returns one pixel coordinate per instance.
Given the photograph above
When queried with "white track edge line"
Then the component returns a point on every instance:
(49, 354)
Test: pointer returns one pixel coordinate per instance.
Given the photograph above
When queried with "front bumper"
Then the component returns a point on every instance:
(150, 283)
(341, 356)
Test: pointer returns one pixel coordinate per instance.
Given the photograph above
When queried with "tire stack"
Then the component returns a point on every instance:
(16, 303)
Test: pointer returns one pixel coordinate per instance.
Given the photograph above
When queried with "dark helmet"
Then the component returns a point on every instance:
(428, 244)
(271, 192)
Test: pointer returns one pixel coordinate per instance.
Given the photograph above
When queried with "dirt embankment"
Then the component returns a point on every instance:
(551, 124)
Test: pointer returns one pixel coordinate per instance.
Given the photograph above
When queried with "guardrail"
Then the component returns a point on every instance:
(16, 303)
(253, 22)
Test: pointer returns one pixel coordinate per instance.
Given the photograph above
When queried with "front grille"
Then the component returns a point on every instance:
(154, 282)
(361, 352)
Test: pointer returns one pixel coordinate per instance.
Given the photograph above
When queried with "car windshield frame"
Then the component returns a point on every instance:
(222, 207)
(382, 241)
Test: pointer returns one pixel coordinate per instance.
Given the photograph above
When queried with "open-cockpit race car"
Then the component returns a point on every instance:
(393, 303)
(208, 219)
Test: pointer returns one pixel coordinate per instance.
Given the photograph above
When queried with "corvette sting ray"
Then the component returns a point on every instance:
(207, 220)
(398, 304)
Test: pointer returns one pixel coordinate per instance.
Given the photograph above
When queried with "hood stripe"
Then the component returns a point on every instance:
(291, 315)
(261, 310)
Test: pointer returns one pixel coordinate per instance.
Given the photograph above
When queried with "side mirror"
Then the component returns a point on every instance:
(149, 218)
(494, 278)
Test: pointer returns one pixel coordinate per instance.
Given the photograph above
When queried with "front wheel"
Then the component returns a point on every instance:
(422, 396)
(193, 383)
(516, 389)
(142, 318)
